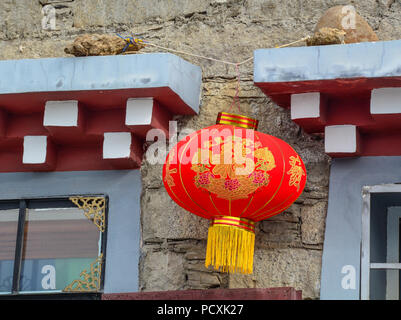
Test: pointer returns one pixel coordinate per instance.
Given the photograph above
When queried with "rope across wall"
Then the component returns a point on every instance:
(133, 41)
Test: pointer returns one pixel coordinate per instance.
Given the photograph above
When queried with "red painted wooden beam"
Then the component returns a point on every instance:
(281, 293)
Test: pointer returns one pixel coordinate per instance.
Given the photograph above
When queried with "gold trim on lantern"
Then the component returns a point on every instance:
(241, 223)
(237, 120)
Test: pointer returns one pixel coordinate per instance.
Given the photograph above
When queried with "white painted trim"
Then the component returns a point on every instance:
(340, 139)
(365, 245)
(385, 266)
(393, 253)
(61, 113)
(384, 188)
(139, 111)
(385, 101)
(305, 105)
(35, 149)
(116, 145)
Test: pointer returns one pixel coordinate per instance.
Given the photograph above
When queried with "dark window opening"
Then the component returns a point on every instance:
(50, 246)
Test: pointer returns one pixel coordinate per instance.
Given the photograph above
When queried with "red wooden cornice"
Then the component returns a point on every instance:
(350, 93)
(90, 113)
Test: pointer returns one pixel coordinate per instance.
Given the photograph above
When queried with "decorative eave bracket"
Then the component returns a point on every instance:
(350, 93)
(89, 113)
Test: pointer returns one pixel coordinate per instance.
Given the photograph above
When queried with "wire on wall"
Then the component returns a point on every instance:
(132, 41)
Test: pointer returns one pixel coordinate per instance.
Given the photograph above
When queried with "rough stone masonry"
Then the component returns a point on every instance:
(289, 246)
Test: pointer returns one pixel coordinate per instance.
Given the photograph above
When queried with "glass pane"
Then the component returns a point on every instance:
(59, 244)
(378, 233)
(8, 236)
(384, 234)
(384, 284)
(377, 284)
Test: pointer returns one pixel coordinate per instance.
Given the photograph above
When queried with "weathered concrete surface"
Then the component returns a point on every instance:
(164, 271)
(136, 71)
(298, 268)
(172, 242)
(313, 219)
(177, 265)
(164, 219)
(353, 61)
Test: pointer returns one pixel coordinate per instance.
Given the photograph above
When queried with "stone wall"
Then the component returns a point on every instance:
(289, 246)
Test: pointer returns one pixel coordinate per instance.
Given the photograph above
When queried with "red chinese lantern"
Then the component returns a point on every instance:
(234, 176)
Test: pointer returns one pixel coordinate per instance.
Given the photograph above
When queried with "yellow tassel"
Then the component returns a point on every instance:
(230, 249)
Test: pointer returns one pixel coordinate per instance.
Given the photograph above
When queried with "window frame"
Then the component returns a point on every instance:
(366, 265)
(24, 203)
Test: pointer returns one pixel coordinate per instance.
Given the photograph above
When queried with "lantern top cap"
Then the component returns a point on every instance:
(237, 120)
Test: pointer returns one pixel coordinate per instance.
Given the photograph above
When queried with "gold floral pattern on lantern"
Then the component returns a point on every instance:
(232, 181)
(168, 177)
(296, 172)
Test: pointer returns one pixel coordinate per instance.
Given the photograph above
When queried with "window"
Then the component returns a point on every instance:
(54, 245)
(381, 265)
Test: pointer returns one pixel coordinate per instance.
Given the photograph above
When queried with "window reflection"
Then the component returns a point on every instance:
(8, 236)
(59, 243)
